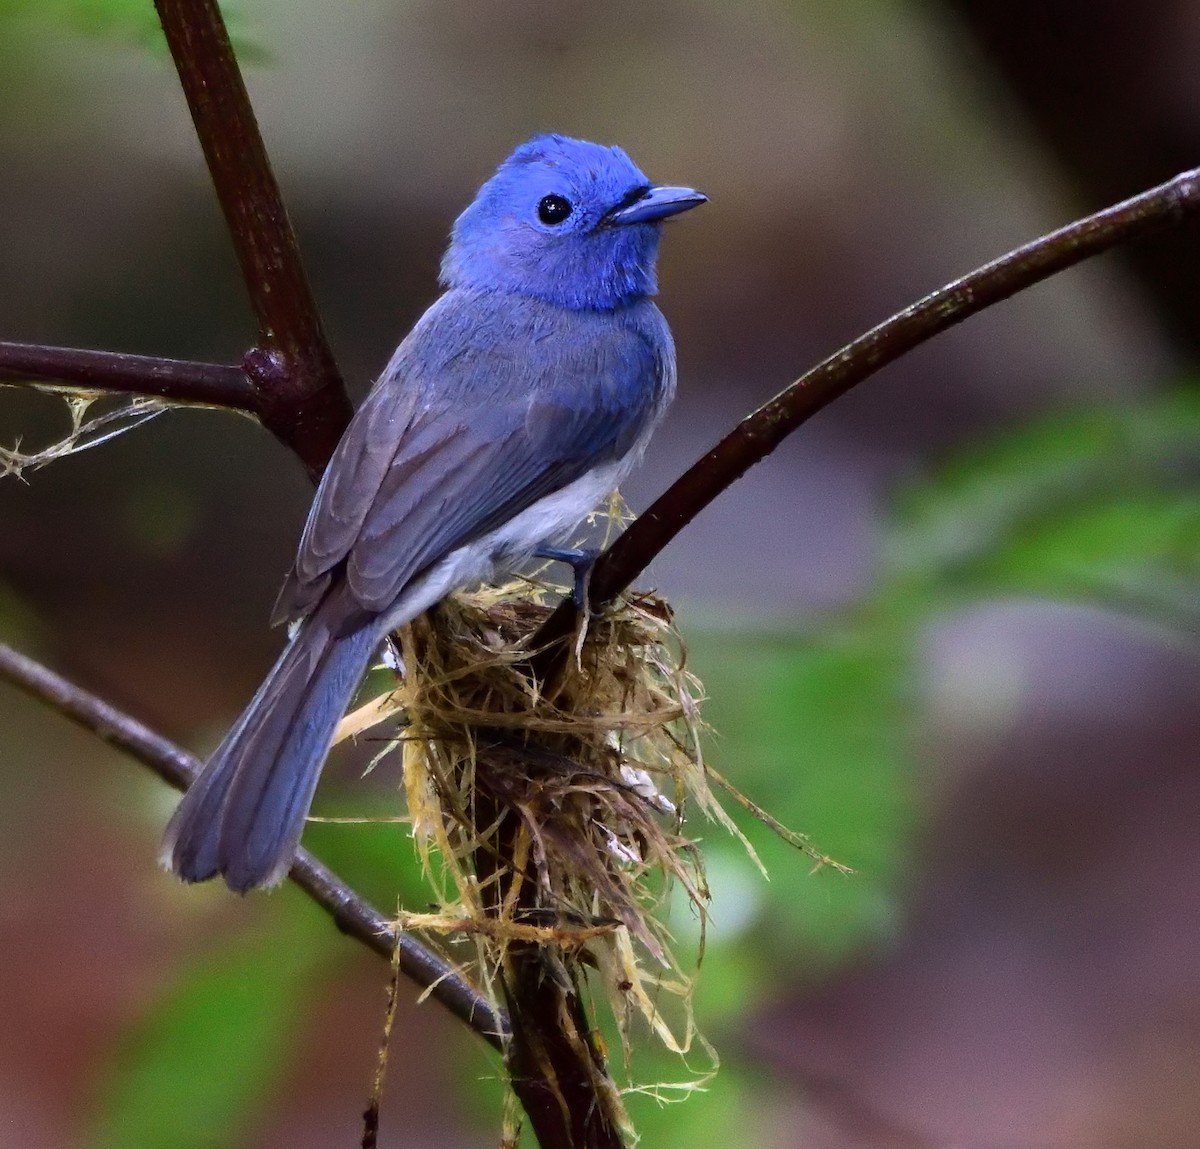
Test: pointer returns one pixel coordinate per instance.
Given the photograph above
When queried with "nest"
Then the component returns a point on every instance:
(559, 817)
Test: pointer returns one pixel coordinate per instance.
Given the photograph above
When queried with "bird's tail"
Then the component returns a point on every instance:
(243, 816)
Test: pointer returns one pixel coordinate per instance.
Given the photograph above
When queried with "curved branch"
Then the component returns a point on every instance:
(301, 399)
(761, 432)
(214, 384)
(351, 913)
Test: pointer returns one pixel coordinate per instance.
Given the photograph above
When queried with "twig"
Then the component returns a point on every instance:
(351, 913)
(214, 384)
(760, 433)
(301, 399)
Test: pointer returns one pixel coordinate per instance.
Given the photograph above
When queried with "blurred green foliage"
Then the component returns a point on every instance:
(133, 22)
(1099, 504)
(817, 726)
(202, 1063)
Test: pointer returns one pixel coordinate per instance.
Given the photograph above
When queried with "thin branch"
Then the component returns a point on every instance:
(351, 913)
(301, 397)
(759, 434)
(214, 384)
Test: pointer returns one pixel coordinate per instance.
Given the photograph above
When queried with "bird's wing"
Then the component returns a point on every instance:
(480, 475)
(344, 496)
(420, 474)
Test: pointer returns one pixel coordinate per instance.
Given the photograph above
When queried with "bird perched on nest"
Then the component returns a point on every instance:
(520, 399)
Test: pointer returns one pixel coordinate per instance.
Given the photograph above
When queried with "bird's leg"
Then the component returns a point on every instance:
(580, 560)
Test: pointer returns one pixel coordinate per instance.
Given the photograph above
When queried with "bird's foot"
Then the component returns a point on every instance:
(580, 560)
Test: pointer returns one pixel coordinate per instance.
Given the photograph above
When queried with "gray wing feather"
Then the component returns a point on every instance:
(483, 476)
(344, 497)
(353, 476)
(450, 445)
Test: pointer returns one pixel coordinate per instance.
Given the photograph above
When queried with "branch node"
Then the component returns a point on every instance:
(267, 369)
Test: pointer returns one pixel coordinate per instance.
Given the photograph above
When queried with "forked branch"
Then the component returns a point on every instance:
(301, 399)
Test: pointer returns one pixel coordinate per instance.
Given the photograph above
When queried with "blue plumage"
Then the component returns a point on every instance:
(519, 400)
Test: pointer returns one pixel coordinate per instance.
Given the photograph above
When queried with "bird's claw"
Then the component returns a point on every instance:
(580, 560)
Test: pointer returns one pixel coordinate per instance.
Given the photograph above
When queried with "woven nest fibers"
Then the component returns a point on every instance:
(556, 813)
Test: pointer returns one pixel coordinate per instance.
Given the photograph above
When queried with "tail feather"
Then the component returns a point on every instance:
(243, 816)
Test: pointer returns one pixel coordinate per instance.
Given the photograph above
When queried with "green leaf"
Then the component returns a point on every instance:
(1140, 554)
(1101, 505)
(201, 1063)
(1037, 477)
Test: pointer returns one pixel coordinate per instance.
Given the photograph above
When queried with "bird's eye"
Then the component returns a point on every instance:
(553, 209)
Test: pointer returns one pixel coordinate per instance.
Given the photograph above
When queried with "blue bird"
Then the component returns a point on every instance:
(519, 400)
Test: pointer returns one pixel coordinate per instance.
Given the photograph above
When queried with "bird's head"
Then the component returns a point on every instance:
(564, 220)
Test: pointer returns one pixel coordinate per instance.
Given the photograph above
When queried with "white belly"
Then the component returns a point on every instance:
(549, 521)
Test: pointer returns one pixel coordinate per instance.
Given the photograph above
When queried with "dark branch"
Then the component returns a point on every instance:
(211, 383)
(177, 768)
(301, 399)
(760, 433)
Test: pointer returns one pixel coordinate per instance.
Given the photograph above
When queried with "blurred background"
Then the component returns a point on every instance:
(948, 630)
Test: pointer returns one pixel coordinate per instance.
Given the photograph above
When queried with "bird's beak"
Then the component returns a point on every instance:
(658, 203)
